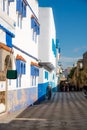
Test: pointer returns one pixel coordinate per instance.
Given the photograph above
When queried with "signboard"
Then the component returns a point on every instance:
(2, 76)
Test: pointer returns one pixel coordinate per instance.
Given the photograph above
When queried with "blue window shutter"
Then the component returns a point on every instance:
(53, 47)
(37, 72)
(21, 67)
(38, 30)
(24, 71)
(35, 27)
(9, 40)
(19, 6)
(32, 71)
(18, 66)
(46, 75)
(23, 9)
(32, 22)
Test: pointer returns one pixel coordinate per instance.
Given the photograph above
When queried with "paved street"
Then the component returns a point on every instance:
(65, 111)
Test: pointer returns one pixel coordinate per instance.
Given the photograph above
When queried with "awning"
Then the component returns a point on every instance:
(47, 65)
(3, 46)
(19, 57)
(34, 64)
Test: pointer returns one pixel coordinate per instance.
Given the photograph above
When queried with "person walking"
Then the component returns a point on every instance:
(49, 91)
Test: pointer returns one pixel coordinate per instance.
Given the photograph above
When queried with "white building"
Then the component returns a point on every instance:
(27, 63)
(47, 50)
(19, 30)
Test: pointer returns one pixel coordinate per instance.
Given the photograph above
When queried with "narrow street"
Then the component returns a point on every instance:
(65, 111)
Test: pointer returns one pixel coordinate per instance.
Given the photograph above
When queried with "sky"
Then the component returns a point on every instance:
(70, 18)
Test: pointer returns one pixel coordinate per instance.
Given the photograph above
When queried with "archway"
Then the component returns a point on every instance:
(7, 63)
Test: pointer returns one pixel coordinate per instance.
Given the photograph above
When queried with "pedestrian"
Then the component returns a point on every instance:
(49, 91)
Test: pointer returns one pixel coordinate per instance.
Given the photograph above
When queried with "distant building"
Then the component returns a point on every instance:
(85, 60)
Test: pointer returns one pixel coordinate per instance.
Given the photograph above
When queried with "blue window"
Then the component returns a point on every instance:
(46, 75)
(19, 6)
(34, 71)
(23, 9)
(35, 25)
(9, 40)
(21, 67)
(32, 22)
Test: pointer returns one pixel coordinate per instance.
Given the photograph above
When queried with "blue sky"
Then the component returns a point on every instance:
(71, 28)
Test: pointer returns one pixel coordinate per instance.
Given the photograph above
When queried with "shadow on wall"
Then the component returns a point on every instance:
(42, 91)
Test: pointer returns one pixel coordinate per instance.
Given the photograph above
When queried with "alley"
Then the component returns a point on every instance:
(65, 111)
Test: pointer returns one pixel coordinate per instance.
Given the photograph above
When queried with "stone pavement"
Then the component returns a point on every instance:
(65, 111)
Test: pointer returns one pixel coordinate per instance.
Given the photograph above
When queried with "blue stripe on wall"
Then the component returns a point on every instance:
(42, 91)
(22, 97)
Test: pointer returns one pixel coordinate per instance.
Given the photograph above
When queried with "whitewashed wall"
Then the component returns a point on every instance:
(47, 33)
(23, 37)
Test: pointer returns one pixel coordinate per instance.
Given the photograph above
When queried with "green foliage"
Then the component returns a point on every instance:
(72, 72)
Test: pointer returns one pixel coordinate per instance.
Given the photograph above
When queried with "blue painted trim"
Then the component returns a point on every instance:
(28, 94)
(53, 47)
(25, 53)
(9, 40)
(42, 91)
(6, 30)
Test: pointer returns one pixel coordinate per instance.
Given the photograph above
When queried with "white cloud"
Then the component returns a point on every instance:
(68, 61)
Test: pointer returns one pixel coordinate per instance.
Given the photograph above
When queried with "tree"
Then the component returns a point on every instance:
(72, 72)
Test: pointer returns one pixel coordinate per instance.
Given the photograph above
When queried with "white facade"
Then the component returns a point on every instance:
(24, 50)
(47, 35)
(15, 22)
